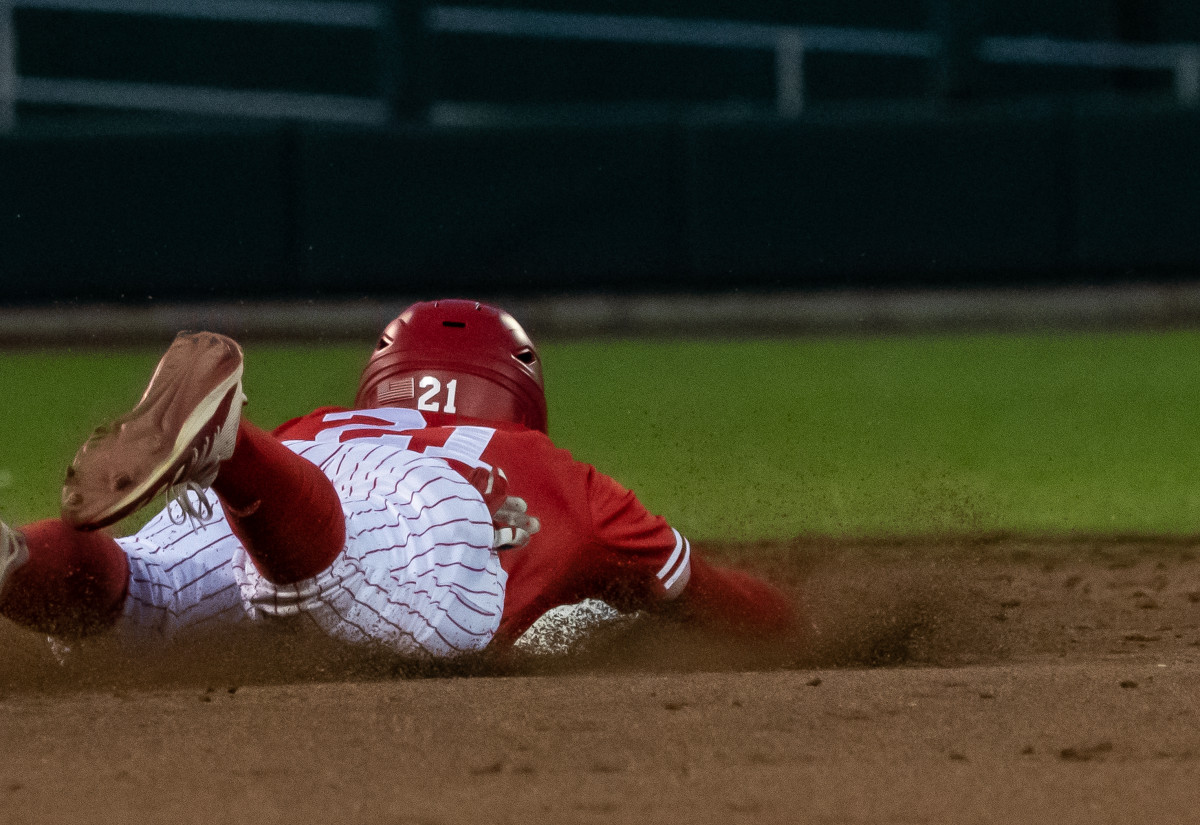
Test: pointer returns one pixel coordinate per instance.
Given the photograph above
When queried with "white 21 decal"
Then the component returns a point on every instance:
(433, 387)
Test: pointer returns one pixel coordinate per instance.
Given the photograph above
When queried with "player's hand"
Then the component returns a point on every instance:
(512, 526)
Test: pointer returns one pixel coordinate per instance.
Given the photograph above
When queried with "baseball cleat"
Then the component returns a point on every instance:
(174, 439)
(13, 553)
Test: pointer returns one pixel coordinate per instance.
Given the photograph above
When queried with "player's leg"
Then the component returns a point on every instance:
(166, 579)
(61, 581)
(284, 510)
(417, 576)
(186, 434)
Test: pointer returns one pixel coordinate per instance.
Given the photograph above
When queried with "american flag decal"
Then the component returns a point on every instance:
(393, 391)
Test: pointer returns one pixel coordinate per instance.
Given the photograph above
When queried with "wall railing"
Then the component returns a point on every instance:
(199, 100)
(789, 44)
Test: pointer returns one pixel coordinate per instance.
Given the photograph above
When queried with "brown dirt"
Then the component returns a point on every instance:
(984, 679)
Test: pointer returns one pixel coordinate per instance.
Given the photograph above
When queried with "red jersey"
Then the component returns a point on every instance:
(596, 539)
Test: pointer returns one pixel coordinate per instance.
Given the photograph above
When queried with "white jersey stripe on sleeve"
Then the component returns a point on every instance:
(683, 573)
(666, 568)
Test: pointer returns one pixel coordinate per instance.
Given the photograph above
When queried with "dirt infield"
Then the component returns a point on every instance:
(988, 679)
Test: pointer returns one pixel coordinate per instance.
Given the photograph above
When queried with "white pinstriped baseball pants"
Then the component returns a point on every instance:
(416, 575)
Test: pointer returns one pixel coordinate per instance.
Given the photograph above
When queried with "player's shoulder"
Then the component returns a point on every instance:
(518, 437)
(345, 423)
(606, 500)
(506, 437)
(304, 427)
(532, 448)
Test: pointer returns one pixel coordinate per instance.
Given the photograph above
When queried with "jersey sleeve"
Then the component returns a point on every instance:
(624, 527)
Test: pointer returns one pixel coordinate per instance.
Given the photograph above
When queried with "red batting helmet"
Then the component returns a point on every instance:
(459, 357)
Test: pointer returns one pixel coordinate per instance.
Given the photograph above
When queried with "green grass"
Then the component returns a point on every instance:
(771, 438)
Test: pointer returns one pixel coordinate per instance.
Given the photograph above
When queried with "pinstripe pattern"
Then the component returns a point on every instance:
(417, 573)
(181, 576)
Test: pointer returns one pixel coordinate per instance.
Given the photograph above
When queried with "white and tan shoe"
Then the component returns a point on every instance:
(174, 439)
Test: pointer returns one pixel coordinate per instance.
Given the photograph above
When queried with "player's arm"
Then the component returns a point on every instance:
(647, 560)
(653, 566)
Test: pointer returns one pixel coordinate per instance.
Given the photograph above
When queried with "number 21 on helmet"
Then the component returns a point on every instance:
(457, 357)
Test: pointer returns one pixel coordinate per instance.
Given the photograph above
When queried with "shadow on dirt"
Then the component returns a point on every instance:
(864, 606)
(866, 603)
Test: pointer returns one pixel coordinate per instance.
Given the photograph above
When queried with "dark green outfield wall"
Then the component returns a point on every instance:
(126, 216)
(1011, 197)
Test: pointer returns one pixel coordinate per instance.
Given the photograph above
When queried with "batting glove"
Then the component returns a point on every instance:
(512, 526)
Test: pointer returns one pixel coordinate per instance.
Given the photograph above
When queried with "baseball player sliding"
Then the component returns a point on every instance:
(436, 518)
